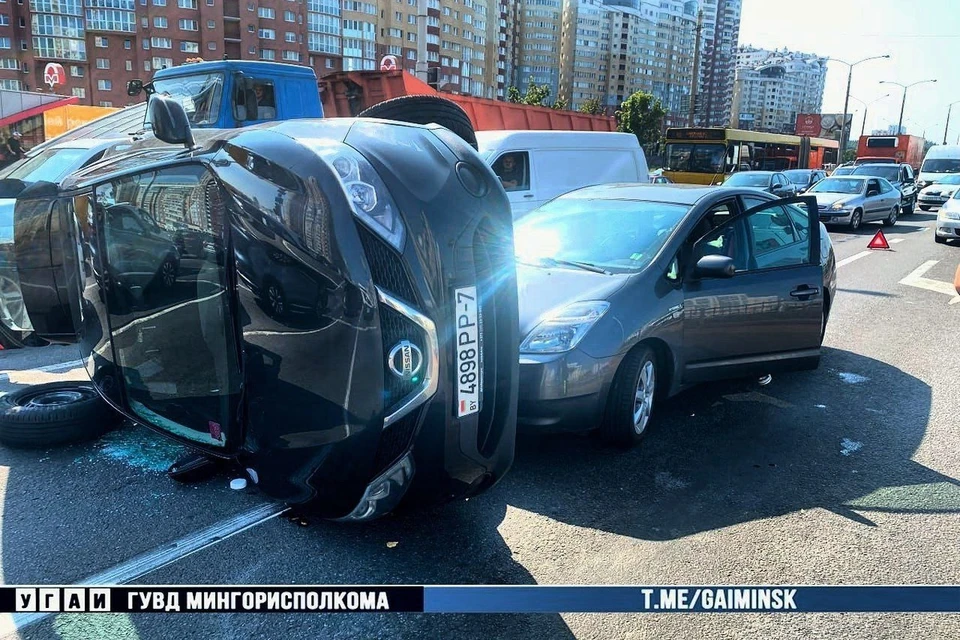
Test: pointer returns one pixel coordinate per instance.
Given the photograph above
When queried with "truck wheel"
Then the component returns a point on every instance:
(55, 413)
(425, 110)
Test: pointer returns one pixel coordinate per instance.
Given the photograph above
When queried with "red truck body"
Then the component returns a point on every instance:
(347, 94)
(903, 149)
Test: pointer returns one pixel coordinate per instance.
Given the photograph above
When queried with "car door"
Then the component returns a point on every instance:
(522, 195)
(767, 316)
(889, 195)
(873, 201)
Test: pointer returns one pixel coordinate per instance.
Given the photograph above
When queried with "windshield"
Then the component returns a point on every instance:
(950, 179)
(843, 171)
(838, 185)
(798, 176)
(891, 173)
(698, 158)
(748, 180)
(200, 95)
(49, 166)
(943, 165)
(618, 235)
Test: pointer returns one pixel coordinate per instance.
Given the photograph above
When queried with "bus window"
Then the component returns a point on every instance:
(702, 158)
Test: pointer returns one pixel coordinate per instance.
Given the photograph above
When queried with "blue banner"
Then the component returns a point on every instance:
(663, 599)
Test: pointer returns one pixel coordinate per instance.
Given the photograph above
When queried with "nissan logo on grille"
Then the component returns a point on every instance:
(405, 360)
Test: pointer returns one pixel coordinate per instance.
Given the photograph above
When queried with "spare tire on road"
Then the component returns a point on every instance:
(54, 413)
(425, 110)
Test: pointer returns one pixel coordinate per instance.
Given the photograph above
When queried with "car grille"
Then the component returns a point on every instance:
(395, 441)
(395, 328)
(386, 266)
(494, 266)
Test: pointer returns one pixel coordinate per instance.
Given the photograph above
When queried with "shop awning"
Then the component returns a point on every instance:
(16, 106)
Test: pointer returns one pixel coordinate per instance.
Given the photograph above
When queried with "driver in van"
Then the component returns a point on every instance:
(266, 109)
(510, 172)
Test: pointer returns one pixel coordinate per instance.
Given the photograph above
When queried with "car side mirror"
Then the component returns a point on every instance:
(715, 267)
(169, 121)
(134, 87)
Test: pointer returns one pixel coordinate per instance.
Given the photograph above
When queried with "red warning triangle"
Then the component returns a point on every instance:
(879, 241)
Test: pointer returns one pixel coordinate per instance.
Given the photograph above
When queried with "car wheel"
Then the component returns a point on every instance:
(856, 220)
(631, 399)
(276, 301)
(924, 207)
(891, 219)
(939, 240)
(55, 413)
(168, 273)
(908, 208)
(824, 318)
(426, 110)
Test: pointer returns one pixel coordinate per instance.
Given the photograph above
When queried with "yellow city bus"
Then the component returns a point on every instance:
(708, 155)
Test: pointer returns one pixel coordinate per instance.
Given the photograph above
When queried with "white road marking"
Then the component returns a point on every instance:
(896, 241)
(916, 279)
(169, 553)
(856, 256)
(57, 367)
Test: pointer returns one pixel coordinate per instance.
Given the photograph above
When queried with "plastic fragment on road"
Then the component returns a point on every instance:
(848, 446)
(853, 378)
(238, 484)
(765, 380)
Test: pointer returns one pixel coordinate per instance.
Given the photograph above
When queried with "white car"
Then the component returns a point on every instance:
(939, 192)
(948, 220)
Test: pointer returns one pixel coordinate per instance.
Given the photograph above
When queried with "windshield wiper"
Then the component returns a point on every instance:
(586, 266)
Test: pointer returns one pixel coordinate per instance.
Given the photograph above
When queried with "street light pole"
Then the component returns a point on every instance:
(866, 105)
(946, 128)
(903, 103)
(846, 101)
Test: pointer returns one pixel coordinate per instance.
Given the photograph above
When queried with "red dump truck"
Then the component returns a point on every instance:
(900, 149)
(349, 93)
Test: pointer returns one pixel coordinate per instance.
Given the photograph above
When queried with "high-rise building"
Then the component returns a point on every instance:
(104, 43)
(536, 27)
(721, 31)
(773, 87)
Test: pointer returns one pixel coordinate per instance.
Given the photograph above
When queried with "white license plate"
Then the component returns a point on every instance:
(469, 360)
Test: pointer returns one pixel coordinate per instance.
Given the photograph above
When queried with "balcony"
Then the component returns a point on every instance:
(231, 9)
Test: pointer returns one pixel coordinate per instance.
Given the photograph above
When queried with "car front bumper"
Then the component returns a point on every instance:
(828, 216)
(947, 228)
(565, 391)
(932, 201)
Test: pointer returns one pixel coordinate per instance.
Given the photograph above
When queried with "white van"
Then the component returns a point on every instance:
(940, 160)
(537, 166)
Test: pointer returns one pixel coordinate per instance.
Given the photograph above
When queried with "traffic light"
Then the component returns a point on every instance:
(433, 77)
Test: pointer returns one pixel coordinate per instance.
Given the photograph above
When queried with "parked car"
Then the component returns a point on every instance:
(660, 179)
(51, 163)
(773, 182)
(941, 159)
(805, 178)
(939, 192)
(901, 176)
(843, 170)
(948, 220)
(852, 200)
(408, 395)
(630, 293)
(537, 166)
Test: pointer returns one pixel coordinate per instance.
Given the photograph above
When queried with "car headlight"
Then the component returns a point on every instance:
(564, 328)
(949, 214)
(838, 206)
(365, 191)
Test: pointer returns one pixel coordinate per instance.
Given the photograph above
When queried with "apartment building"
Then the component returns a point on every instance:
(720, 35)
(772, 87)
(536, 27)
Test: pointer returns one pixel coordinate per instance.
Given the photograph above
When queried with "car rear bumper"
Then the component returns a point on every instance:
(564, 391)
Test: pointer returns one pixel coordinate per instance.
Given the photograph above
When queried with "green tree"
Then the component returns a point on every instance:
(592, 106)
(849, 155)
(642, 115)
(514, 95)
(560, 104)
(536, 94)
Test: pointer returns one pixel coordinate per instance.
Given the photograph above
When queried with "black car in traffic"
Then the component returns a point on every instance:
(390, 370)
(773, 182)
(630, 293)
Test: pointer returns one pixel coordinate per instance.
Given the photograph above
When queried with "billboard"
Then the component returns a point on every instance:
(822, 125)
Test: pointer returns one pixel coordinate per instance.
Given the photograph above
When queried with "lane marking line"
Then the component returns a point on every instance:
(896, 241)
(856, 256)
(916, 279)
(169, 553)
(50, 368)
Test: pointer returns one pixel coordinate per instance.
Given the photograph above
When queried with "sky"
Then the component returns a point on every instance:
(922, 38)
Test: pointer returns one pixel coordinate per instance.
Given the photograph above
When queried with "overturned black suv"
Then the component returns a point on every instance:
(329, 303)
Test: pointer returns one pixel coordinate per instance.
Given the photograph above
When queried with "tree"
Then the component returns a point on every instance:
(642, 115)
(536, 95)
(592, 106)
(560, 104)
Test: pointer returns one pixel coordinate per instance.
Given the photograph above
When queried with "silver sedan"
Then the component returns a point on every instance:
(852, 200)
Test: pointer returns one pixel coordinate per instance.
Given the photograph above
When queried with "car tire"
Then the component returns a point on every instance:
(275, 299)
(167, 276)
(891, 219)
(908, 209)
(855, 220)
(426, 110)
(939, 240)
(54, 413)
(631, 399)
(924, 207)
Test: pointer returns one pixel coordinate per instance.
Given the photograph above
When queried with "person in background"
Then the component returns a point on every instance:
(15, 147)
(510, 173)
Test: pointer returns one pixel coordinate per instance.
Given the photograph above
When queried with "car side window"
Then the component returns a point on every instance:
(873, 187)
(774, 241)
(728, 240)
(909, 172)
(885, 187)
(513, 169)
(716, 216)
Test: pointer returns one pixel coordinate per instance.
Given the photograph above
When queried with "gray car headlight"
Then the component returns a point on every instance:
(949, 214)
(365, 191)
(838, 206)
(563, 329)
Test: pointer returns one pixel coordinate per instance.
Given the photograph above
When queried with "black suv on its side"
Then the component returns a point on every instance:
(900, 176)
(396, 377)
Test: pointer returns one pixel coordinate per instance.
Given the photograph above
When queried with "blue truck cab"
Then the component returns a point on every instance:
(227, 94)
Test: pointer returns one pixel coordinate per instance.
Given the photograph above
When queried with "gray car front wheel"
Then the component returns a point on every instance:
(631, 399)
